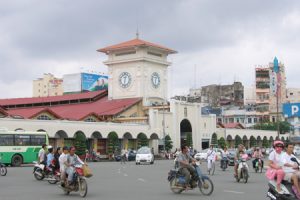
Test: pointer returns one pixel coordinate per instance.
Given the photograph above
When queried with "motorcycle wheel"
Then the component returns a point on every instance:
(173, 186)
(3, 170)
(66, 192)
(37, 176)
(54, 180)
(83, 188)
(206, 186)
(256, 169)
(245, 175)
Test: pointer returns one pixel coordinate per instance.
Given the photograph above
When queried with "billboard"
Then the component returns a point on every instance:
(291, 110)
(72, 83)
(93, 82)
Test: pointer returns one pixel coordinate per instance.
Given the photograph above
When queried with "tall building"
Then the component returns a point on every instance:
(47, 86)
(262, 92)
(293, 95)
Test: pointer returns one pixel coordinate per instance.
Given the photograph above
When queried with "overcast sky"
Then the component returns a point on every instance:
(219, 41)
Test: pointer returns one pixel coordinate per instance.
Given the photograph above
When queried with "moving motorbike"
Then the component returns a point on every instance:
(177, 181)
(3, 169)
(79, 183)
(258, 165)
(41, 172)
(286, 186)
(224, 163)
(243, 169)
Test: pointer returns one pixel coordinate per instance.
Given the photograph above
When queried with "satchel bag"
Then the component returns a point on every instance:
(87, 172)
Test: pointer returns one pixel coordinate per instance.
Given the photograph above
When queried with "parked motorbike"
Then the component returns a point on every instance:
(177, 181)
(286, 186)
(3, 169)
(224, 163)
(79, 183)
(243, 169)
(41, 172)
(258, 166)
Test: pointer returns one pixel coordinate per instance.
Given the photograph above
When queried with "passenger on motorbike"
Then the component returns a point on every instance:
(224, 155)
(63, 164)
(72, 161)
(50, 157)
(57, 154)
(42, 155)
(257, 154)
(291, 169)
(276, 163)
(240, 151)
(184, 159)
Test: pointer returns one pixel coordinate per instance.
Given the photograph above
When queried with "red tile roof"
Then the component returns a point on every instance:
(67, 97)
(100, 107)
(134, 43)
(3, 111)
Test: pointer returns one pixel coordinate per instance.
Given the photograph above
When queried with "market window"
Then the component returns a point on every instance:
(44, 117)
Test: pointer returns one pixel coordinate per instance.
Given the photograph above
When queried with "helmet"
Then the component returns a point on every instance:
(278, 143)
(50, 147)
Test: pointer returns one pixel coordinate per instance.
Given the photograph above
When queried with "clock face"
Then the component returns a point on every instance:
(155, 79)
(125, 79)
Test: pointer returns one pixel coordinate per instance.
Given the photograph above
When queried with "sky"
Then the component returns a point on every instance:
(218, 41)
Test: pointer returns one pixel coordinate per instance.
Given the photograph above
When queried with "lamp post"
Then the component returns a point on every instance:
(164, 131)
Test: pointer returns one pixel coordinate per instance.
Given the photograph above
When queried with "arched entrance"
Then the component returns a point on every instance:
(229, 141)
(59, 138)
(154, 141)
(128, 142)
(186, 136)
(95, 143)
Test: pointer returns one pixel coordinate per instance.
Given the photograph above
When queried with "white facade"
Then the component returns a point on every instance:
(47, 86)
(293, 95)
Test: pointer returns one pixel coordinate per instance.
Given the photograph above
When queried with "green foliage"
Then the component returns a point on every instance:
(214, 138)
(189, 140)
(168, 143)
(142, 140)
(238, 140)
(284, 126)
(113, 142)
(222, 142)
(252, 141)
(265, 142)
(80, 144)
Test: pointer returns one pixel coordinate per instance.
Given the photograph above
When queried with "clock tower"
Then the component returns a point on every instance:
(138, 68)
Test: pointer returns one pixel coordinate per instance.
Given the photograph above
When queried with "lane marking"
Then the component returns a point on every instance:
(140, 179)
(234, 192)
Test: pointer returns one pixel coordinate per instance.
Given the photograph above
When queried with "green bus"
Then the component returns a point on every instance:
(19, 147)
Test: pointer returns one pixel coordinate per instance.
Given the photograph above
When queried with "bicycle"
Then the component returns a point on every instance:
(3, 169)
(211, 167)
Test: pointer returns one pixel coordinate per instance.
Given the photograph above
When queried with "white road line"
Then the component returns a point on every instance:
(140, 179)
(125, 174)
(235, 192)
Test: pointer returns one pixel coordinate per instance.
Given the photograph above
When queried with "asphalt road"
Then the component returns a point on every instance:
(114, 181)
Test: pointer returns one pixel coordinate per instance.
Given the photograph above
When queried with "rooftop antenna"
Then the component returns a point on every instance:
(137, 27)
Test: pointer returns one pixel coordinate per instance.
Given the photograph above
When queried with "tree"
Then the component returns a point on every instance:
(238, 140)
(189, 140)
(252, 141)
(221, 142)
(168, 143)
(284, 126)
(265, 142)
(142, 140)
(80, 143)
(113, 142)
(214, 138)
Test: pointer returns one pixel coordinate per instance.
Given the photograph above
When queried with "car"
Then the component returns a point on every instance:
(297, 151)
(144, 155)
(131, 155)
(249, 152)
(231, 156)
(202, 155)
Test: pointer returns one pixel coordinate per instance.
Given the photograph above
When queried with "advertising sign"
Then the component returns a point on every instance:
(72, 83)
(93, 82)
(291, 110)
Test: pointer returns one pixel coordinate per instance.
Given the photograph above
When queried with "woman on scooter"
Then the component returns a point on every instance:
(276, 163)
(257, 155)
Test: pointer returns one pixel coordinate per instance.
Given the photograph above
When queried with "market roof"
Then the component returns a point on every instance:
(134, 43)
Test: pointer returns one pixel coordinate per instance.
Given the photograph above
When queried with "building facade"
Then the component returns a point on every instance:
(47, 86)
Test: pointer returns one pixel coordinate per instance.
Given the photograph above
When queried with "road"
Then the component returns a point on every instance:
(113, 181)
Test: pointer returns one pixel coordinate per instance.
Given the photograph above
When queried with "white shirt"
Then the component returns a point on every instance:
(41, 155)
(287, 159)
(211, 155)
(62, 159)
(276, 158)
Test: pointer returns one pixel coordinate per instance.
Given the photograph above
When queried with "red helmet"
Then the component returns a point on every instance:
(278, 143)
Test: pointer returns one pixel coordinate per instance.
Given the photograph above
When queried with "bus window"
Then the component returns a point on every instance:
(6, 140)
(37, 140)
(22, 140)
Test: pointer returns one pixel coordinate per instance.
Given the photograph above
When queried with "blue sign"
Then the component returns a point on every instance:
(93, 82)
(291, 110)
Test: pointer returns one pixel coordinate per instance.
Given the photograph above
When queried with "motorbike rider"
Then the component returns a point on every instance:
(224, 155)
(291, 169)
(50, 157)
(276, 163)
(42, 155)
(240, 151)
(211, 156)
(184, 159)
(72, 161)
(257, 154)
